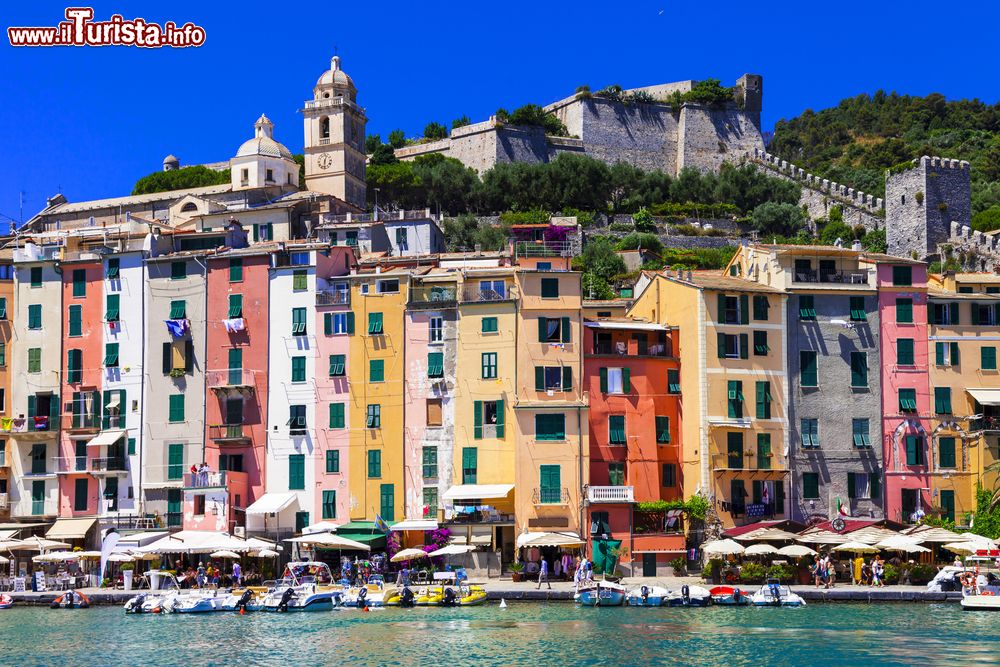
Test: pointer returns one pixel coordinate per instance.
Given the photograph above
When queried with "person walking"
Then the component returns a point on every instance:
(237, 573)
(200, 578)
(878, 572)
(543, 574)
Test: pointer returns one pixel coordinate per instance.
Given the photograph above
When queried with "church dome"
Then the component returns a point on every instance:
(263, 142)
(335, 76)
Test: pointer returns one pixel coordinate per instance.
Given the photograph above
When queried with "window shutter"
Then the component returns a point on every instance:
(626, 380)
(500, 420)
(744, 346)
(875, 485)
(953, 311)
(954, 354)
(350, 322)
(328, 323)
(721, 341)
(539, 378)
(744, 309)
(975, 313)
(167, 358)
(235, 305)
(851, 492)
(188, 356)
(604, 380)
(477, 420)
(567, 378)
(939, 353)
(721, 316)
(543, 329)
(564, 328)
(32, 406)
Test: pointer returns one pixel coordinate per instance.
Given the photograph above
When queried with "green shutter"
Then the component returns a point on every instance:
(550, 483)
(500, 420)
(235, 305)
(336, 415)
(721, 304)
(858, 311)
(942, 400)
(904, 352)
(298, 369)
(760, 307)
(763, 400)
(907, 400)
(953, 312)
(235, 270)
(328, 324)
(626, 380)
(603, 372)
(35, 316)
(550, 288)
(859, 369)
(744, 309)
(946, 452)
(374, 324)
(489, 325)
(299, 280)
(616, 430)
(662, 430)
(298, 321)
(375, 463)
(734, 396)
(350, 322)
(673, 381)
(469, 465)
(720, 340)
(760, 347)
(939, 353)
(543, 329)
(477, 420)
(176, 402)
(807, 308)
(296, 472)
(329, 504)
(81, 494)
(79, 282)
(36, 276)
(875, 485)
(74, 367)
(337, 364)
(435, 364)
(111, 354)
(114, 265)
(954, 354)
(376, 370)
(175, 465)
(904, 311)
(387, 502)
(564, 329)
(567, 378)
(178, 270)
(810, 485)
(763, 451)
(112, 313)
(809, 376)
(744, 346)
(851, 486)
(988, 358)
(902, 276)
(539, 378)
(178, 310)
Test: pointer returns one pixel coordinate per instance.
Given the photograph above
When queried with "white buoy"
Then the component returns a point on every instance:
(503, 603)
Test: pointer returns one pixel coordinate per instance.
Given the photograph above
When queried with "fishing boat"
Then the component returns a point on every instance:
(601, 594)
(773, 594)
(6, 601)
(70, 600)
(647, 596)
(305, 586)
(729, 595)
(689, 596)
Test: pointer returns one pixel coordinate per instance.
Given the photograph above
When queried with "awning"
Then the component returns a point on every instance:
(628, 326)
(549, 540)
(272, 503)
(107, 438)
(414, 524)
(985, 396)
(141, 539)
(6, 535)
(468, 491)
(114, 402)
(70, 529)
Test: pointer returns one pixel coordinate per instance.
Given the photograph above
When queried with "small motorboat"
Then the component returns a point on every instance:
(196, 603)
(729, 595)
(371, 594)
(980, 592)
(400, 597)
(647, 596)
(773, 594)
(305, 586)
(470, 596)
(70, 600)
(429, 595)
(689, 596)
(151, 602)
(601, 594)
(6, 601)
(246, 599)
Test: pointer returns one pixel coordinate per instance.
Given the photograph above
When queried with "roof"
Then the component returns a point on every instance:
(335, 75)
(264, 146)
(713, 280)
(114, 202)
(936, 292)
(977, 277)
(736, 531)
(623, 323)
(877, 257)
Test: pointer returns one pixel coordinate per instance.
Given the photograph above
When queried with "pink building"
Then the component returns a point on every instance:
(906, 396)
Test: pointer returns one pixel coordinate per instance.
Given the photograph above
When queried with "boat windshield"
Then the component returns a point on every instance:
(308, 573)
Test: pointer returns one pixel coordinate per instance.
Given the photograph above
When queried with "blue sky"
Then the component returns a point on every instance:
(89, 121)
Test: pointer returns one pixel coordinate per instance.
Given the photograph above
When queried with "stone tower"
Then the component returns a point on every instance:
(921, 203)
(750, 92)
(335, 138)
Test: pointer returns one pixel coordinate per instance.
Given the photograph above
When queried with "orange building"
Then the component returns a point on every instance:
(632, 374)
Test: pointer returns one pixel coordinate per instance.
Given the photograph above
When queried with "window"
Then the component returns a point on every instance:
(553, 330)
(300, 280)
(902, 276)
(946, 354)
(79, 283)
(36, 276)
(176, 411)
(616, 473)
(430, 502)
(734, 309)
(236, 270)
(914, 450)
(734, 398)
(402, 239)
(333, 460)
(296, 472)
(375, 463)
(74, 366)
(489, 365)
(296, 420)
(435, 416)
(810, 433)
(669, 475)
(429, 462)
(616, 380)
(374, 324)
(489, 325)
(734, 450)
(984, 314)
(235, 306)
(810, 485)
(553, 378)
(763, 451)
(858, 311)
(436, 329)
(470, 456)
(616, 430)
(760, 347)
(550, 484)
(859, 486)
(298, 321)
(860, 434)
(3, 308)
(943, 313)
(492, 290)
(808, 371)
(904, 352)
(807, 307)
(373, 416)
(904, 311)
(760, 308)
(376, 370)
(946, 452)
(81, 494)
(907, 400)
(262, 231)
(299, 259)
(35, 316)
(178, 310)
(388, 286)
(550, 426)
(859, 370)
(337, 415)
(673, 381)
(662, 430)
(3, 354)
(351, 238)
(34, 360)
(988, 358)
(113, 310)
(764, 400)
(175, 461)
(75, 320)
(178, 270)
(298, 369)
(942, 400)
(329, 504)
(337, 323)
(269, 175)
(111, 355)
(731, 346)
(488, 419)
(948, 504)
(387, 503)
(337, 365)
(435, 364)
(550, 288)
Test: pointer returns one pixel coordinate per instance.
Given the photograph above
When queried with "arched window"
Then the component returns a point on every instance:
(189, 207)
(324, 128)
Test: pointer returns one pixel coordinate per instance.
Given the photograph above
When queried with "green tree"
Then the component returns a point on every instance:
(638, 240)
(643, 221)
(449, 185)
(600, 258)
(532, 114)
(372, 142)
(396, 184)
(459, 122)
(988, 220)
(777, 219)
(836, 230)
(180, 179)
(397, 139)
(874, 241)
(435, 131)
(383, 154)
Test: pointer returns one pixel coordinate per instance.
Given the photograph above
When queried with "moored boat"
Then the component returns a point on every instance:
(305, 586)
(980, 592)
(689, 596)
(6, 601)
(70, 600)
(773, 594)
(647, 596)
(729, 595)
(601, 594)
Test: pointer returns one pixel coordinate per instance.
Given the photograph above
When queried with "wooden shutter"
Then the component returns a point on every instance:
(744, 346)
(721, 343)
(543, 329)
(567, 378)
(539, 378)
(564, 327)
(350, 322)
(744, 309)
(604, 380)
(626, 380)
(500, 419)
(188, 356)
(167, 358)
(477, 421)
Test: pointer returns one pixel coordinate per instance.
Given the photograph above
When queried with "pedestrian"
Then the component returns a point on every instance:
(237, 573)
(543, 574)
(577, 577)
(878, 572)
(200, 577)
(817, 571)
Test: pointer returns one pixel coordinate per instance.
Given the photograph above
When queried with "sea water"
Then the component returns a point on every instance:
(524, 633)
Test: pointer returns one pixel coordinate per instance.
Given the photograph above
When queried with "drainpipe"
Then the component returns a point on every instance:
(204, 360)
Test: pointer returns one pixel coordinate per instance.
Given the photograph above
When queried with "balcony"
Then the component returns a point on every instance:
(749, 462)
(381, 216)
(98, 465)
(830, 277)
(542, 249)
(621, 349)
(230, 379)
(985, 423)
(37, 253)
(26, 507)
(79, 423)
(483, 295)
(550, 496)
(31, 428)
(610, 494)
(333, 298)
(482, 514)
(205, 480)
(230, 433)
(433, 297)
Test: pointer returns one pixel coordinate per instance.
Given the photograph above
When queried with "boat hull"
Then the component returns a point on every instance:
(981, 603)
(603, 596)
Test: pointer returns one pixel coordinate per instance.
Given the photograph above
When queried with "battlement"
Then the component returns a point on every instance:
(926, 162)
(981, 252)
(836, 190)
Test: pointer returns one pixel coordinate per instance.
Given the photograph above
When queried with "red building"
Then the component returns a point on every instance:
(633, 375)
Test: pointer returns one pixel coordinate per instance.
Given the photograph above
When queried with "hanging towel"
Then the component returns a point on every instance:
(41, 423)
(234, 325)
(176, 328)
(6, 423)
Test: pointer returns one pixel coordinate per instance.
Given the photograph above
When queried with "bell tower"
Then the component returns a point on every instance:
(335, 138)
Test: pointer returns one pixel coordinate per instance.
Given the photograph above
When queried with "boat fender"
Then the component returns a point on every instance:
(645, 593)
(967, 579)
(686, 593)
(986, 593)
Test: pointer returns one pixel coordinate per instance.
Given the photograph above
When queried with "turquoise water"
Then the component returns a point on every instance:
(522, 634)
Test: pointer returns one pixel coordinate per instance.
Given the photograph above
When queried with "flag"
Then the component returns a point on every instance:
(840, 508)
(380, 523)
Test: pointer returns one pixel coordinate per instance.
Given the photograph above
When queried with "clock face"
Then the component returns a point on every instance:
(324, 161)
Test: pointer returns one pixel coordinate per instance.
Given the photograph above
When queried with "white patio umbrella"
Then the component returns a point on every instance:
(901, 543)
(760, 550)
(722, 548)
(796, 551)
(453, 550)
(856, 547)
(87, 554)
(330, 541)
(224, 554)
(407, 555)
(266, 553)
(35, 543)
(120, 557)
(4, 560)
(971, 546)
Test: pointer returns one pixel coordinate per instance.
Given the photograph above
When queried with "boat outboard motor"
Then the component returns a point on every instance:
(449, 597)
(134, 606)
(244, 600)
(737, 595)
(775, 593)
(363, 597)
(645, 594)
(406, 598)
(686, 594)
(286, 597)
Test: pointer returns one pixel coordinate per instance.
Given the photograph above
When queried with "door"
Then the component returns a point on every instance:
(235, 366)
(234, 412)
(81, 455)
(174, 515)
(38, 498)
(38, 459)
(948, 504)
(649, 565)
(111, 493)
(908, 503)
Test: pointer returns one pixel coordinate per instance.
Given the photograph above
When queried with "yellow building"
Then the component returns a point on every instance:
(550, 409)
(375, 370)
(733, 385)
(964, 312)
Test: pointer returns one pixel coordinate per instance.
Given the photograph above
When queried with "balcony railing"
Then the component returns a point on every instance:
(542, 249)
(550, 496)
(749, 462)
(482, 514)
(621, 349)
(205, 480)
(433, 297)
(383, 216)
(479, 294)
(611, 494)
(80, 422)
(230, 378)
(91, 465)
(229, 433)
(43, 427)
(985, 423)
(333, 298)
(839, 277)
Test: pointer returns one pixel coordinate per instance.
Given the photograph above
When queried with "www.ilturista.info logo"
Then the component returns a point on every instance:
(81, 30)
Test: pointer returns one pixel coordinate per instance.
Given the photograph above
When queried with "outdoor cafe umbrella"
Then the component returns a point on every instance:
(407, 555)
(856, 547)
(452, 550)
(266, 553)
(760, 550)
(971, 546)
(901, 543)
(120, 557)
(722, 548)
(796, 551)
(224, 553)
(35, 543)
(329, 541)
(4, 560)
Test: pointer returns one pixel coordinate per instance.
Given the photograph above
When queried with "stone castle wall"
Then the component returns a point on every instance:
(980, 252)
(923, 201)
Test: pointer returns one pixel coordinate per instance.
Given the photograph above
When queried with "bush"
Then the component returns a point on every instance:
(435, 131)
(638, 240)
(516, 567)
(711, 567)
(783, 573)
(532, 114)
(988, 220)
(643, 221)
(621, 226)
(874, 241)
(779, 219)
(891, 574)
(533, 217)
(680, 567)
(752, 573)
(397, 138)
(180, 179)
(459, 122)
(921, 574)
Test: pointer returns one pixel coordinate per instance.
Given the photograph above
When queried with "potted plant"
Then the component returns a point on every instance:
(516, 571)
(176, 372)
(680, 567)
(752, 573)
(713, 571)
(128, 572)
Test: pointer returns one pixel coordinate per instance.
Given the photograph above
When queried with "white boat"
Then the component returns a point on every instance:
(947, 579)
(980, 592)
(647, 596)
(601, 594)
(305, 586)
(195, 602)
(773, 594)
(372, 594)
(151, 602)
(689, 596)
(245, 599)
